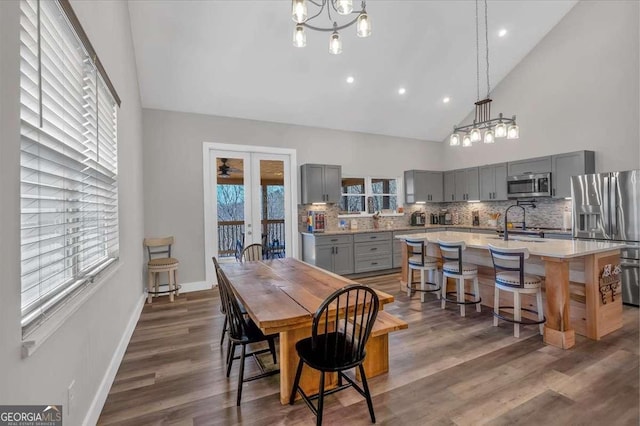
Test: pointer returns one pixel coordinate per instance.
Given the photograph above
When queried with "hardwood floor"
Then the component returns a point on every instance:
(443, 370)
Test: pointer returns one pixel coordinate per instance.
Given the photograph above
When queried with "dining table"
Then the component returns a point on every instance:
(281, 296)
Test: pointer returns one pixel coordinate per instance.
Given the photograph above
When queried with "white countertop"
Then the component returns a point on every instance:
(537, 246)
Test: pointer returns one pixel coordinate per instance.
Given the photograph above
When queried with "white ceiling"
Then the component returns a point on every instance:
(236, 59)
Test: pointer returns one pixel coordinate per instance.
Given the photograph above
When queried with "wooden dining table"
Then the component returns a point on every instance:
(281, 296)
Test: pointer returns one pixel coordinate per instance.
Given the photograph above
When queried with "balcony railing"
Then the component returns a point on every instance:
(233, 230)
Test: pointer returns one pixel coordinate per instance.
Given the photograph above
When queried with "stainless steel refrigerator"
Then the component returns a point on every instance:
(606, 206)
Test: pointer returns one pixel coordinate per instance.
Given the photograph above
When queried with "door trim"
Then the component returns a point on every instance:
(210, 206)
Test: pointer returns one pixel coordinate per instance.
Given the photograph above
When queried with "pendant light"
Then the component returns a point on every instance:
(475, 135)
(363, 25)
(513, 132)
(335, 43)
(466, 140)
(489, 136)
(344, 7)
(299, 36)
(454, 140)
(299, 11)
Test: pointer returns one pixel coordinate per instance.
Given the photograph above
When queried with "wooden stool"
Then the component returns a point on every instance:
(508, 264)
(418, 260)
(453, 267)
(159, 265)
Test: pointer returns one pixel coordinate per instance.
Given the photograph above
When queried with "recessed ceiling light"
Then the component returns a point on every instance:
(446, 99)
(402, 91)
(502, 33)
(350, 79)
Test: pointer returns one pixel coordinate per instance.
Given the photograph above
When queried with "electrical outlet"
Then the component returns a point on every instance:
(71, 397)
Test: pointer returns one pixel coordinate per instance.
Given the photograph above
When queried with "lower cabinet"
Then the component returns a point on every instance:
(372, 251)
(331, 252)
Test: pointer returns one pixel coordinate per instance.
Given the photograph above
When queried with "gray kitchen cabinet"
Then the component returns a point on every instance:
(422, 186)
(493, 182)
(558, 236)
(563, 166)
(449, 179)
(320, 183)
(529, 166)
(372, 251)
(467, 184)
(331, 252)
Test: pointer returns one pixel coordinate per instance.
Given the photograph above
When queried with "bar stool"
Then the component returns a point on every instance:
(508, 264)
(453, 267)
(159, 265)
(418, 260)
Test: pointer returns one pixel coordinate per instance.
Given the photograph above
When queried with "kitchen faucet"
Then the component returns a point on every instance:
(520, 204)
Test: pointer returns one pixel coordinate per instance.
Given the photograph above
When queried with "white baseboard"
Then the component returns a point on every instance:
(195, 286)
(103, 390)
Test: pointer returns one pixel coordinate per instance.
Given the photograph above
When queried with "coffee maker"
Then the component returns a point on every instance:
(418, 219)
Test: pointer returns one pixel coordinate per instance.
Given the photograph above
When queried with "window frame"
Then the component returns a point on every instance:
(368, 192)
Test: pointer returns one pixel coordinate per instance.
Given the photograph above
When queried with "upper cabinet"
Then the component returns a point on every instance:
(320, 183)
(422, 186)
(449, 186)
(563, 166)
(466, 184)
(493, 182)
(529, 166)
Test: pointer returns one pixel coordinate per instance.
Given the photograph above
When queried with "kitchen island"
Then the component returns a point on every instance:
(575, 299)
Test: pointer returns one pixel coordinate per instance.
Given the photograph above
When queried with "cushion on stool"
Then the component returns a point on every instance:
(452, 267)
(163, 261)
(513, 279)
(429, 262)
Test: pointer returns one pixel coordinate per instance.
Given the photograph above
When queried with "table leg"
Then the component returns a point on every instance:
(310, 379)
(557, 329)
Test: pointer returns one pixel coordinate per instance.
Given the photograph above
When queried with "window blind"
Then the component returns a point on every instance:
(68, 163)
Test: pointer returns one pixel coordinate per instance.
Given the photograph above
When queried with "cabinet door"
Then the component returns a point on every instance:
(567, 165)
(473, 185)
(487, 183)
(500, 192)
(332, 183)
(324, 257)
(435, 189)
(312, 177)
(528, 166)
(449, 186)
(343, 259)
(461, 185)
(421, 185)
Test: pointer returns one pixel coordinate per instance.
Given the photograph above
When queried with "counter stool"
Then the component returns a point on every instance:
(453, 267)
(418, 260)
(158, 265)
(508, 264)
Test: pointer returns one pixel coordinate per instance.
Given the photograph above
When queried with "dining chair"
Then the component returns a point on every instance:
(242, 332)
(225, 326)
(160, 261)
(340, 329)
(252, 253)
(238, 250)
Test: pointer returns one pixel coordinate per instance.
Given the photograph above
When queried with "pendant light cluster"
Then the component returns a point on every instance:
(300, 16)
(493, 127)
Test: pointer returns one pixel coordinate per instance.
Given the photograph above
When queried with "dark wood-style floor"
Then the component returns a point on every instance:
(444, 370)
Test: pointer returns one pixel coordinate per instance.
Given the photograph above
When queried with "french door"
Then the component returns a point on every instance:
(249, 199)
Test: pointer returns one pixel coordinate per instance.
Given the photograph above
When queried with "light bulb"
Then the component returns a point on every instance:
(299, 11)
(466, 140)
(489, 136)
(344, 7)
(363, 26)
(454, 140)
(299, 36)
(513, 132)
(475, 135)
(335, 44)
(501, 130)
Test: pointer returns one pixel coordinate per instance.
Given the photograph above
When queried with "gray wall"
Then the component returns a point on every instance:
(83, 347)
(173, 197)
(577, 89)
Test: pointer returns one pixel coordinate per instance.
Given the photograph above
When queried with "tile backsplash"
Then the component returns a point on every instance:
(547, 213)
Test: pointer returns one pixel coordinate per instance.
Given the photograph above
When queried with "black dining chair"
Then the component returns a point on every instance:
(337, 343)
(242, 332)
(252, 253)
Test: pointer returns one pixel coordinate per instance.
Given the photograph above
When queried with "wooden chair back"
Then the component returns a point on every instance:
(451, 251)
(158, 246)
(417, 248)
(252, 253)
(509, 260)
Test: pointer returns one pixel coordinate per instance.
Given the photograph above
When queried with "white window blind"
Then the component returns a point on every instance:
(68, 163)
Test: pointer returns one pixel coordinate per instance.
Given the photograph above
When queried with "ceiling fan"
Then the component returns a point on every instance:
(225, 169)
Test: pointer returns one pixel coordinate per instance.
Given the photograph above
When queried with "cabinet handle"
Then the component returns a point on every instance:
(374, 248)
(374, 263)
(554, 192)
(334, 240)
(373, 237)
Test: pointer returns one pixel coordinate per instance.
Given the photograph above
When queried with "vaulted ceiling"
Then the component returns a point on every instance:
(236, 59)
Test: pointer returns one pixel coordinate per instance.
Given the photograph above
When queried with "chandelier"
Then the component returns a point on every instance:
(338, 7)
(493, 127)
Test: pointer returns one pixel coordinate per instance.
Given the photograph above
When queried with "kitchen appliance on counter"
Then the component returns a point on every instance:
(435, 219)
(418, 219)
(530, 185)
(316, 221)
(606, 207)
(444, 218)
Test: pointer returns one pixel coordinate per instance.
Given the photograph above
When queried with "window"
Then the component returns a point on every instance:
(356, 193)
(68, 161)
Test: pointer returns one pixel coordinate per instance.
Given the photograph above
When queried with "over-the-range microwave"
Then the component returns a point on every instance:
(527, 186)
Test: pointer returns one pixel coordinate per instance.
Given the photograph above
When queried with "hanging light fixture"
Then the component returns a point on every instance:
(494, 127)
(300, 16)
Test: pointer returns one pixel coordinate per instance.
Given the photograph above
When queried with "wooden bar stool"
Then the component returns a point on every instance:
(158, 265)
(418, 260)
(508, 264)
(453, 267)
